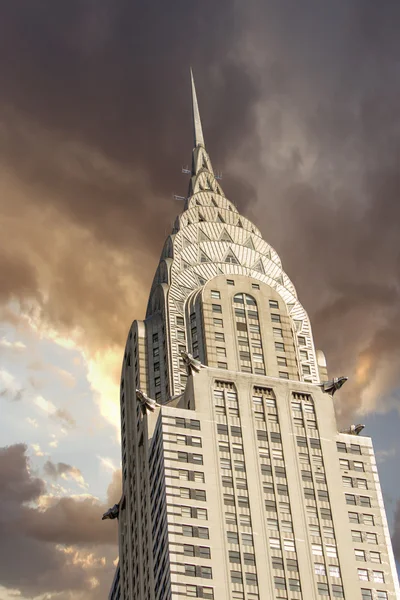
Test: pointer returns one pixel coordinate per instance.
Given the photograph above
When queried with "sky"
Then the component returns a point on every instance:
(299, 102)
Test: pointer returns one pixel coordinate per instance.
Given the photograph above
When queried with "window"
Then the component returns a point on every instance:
(363, 574)
(375, 557)
(341, 447)
(323, 495)
(219, 336)
(323, 589)
(275, 318)
(251, 579)
(288, 545)
(221, 351)
(381, 595)
(360, 555)
(215, 294)
(344, 464)
(283, 375)
(356, 536)
(247, 539)
(255, 286)
(337, 591)
(277, 563)
(326, 514)
(362, 483)
(319, 569)
(273, 304)
(291, 564)
(234, 556)
(350, 499)
(272, 524)
(282, 362)
(304, 354)
(217, 308)
(358, 465)
(302, 340)
(180, 334)
(294, 585)
(355, 449)
(316, 549)
(155, 338)
(262, 435)
(366, 594)
(280, 583)
(180, 321)
(306, 369)
(232, 537)
(378, 576)
(354, 517)
(365, 501)
(274, 543)
(222, 365)
(236, 577)
(229, 500)
(331, 551)
(371, 538)
(368, 519)
(277, 331)
(218, 322)
(314, 530)
(279, 347)
(230, 282)
(201, 514)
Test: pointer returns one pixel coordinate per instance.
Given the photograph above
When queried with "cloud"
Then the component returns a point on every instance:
(396, 533)
(64, 417)
(18, 346)
(37, 450)
(9, 387)
(64, 471)
(61, 547)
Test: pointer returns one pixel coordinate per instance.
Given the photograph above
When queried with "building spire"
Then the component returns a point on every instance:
(198, 131)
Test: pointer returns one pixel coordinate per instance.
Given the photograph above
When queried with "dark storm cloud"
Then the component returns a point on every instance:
(299, 103)
(58, 548)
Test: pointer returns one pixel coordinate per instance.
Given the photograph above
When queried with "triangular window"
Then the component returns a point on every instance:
(249, 244)
(201, 218)
(202, 237)
(205, 165)
(231, 258)
(239, 224)
(279, 279)
(186, 242)
(209, 184)
(201, 280)
(203, 257)
(198, 202)
(214, 202)
(258, 266)
(220, 219)
(225, 237)
(185, 265)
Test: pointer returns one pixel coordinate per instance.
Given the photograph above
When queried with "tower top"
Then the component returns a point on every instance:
(197, 129)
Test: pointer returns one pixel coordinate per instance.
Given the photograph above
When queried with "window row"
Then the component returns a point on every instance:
(361, 518)
(332, 571)
(355, 482)
(192, 512)
(190, 458)
(198, 571)
(375, 576)
(200, 551)
(351, 448)
(351, 465)
(364, 536)
(187, 423)
(188, 440)
(196, 591)
(358, 500)
(237, 577)
(371, 556)
(366, 594)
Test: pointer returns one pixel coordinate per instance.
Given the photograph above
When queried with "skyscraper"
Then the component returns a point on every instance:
(237, 484)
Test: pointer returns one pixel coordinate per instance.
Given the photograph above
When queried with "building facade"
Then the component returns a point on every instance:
(238, 486)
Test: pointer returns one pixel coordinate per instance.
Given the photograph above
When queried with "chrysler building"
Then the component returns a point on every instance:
(237, 484)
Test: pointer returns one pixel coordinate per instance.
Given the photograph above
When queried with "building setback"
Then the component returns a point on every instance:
(238, 485)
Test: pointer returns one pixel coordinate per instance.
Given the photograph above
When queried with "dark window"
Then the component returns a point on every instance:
(350, 499)
(251, 579)
(217, 308)
(275, 437)
(266, 469)
(355, 449)
(323, 495)
(270, 505)
(262, 435)
(249, 559)
(314, 443)
(277, 563)
(222, 429)
(236, 431)
(279, 346)
(341, 447)
(301, 441)
(273, 304)
(234, 557)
